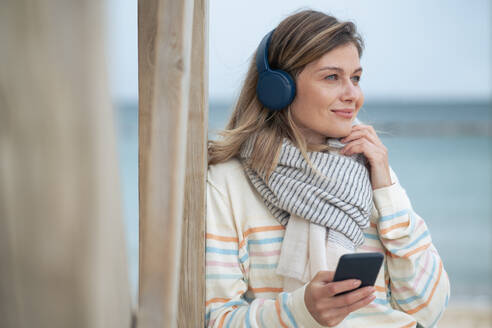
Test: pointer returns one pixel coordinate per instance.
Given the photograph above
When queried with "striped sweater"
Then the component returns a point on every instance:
(243, 247)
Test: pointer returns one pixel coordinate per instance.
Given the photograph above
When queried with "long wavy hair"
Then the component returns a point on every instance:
(298, 40)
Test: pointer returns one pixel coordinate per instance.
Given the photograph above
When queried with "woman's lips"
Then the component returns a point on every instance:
(343, 113)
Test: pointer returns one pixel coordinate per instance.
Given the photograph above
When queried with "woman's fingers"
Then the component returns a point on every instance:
(354, 135)
(363, 139)
(357, 305)
(357, 146)
(342, 301)
(328, 309)
(324, 276)
(333, 288)
(375, 154)
(352, 297)
(334, 316)
(363, 131)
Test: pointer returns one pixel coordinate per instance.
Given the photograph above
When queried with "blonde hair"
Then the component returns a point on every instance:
(298, 40)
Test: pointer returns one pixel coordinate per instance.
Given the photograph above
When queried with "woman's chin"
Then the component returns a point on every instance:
(340, 133)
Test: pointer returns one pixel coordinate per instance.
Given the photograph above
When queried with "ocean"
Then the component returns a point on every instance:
(442, 154)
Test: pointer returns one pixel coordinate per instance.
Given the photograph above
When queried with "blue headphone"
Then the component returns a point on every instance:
(276, 89)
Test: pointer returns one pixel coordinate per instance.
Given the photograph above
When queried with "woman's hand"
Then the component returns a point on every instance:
(328, 309)
(363, 139)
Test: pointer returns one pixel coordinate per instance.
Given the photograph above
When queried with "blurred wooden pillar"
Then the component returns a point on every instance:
(62, 247)
(192, 282)
(172, 144)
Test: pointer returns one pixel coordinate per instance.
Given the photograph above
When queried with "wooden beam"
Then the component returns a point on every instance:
(62, 247)
(165, 31)
(192, 277)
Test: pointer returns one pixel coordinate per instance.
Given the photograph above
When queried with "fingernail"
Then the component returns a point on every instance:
(356, 283)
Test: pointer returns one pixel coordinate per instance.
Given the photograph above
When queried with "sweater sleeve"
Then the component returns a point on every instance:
(227, 266)
(418, 282)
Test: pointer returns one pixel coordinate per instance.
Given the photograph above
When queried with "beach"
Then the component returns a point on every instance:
(467, 315)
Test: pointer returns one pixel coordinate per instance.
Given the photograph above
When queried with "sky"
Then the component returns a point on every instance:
(415, 50)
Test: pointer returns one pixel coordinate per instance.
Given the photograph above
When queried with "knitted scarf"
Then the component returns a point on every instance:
(339, 198)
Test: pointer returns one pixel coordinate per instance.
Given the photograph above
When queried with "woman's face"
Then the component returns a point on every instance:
(324, 86)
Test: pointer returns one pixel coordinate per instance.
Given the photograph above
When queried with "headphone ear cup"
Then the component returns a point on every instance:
(275, 89)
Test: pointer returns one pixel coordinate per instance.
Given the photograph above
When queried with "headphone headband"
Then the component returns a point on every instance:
(262, 54)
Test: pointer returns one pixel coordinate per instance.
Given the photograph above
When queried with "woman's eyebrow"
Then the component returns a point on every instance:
(338, 69)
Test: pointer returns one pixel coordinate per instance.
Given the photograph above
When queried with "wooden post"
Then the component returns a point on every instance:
(192, 283)
(62, 247)
(165, 32)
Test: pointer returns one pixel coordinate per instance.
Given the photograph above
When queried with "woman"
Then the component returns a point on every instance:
(296, 181)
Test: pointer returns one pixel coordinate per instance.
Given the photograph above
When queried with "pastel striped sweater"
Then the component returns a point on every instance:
(243, 246)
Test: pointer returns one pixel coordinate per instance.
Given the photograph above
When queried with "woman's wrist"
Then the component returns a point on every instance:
(380, 176)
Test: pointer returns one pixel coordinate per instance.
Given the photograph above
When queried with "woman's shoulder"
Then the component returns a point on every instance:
(232, 166)
(229, 182)
(226, 174)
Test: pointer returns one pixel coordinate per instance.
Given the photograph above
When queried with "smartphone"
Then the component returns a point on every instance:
(362, 266)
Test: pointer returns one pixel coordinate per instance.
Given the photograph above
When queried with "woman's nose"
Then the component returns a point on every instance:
(350, 91)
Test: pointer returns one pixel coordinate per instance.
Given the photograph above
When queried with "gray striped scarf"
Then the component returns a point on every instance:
(339, 199)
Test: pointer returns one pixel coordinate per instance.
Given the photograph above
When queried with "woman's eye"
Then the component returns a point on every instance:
(356, 79)
(332, 77)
